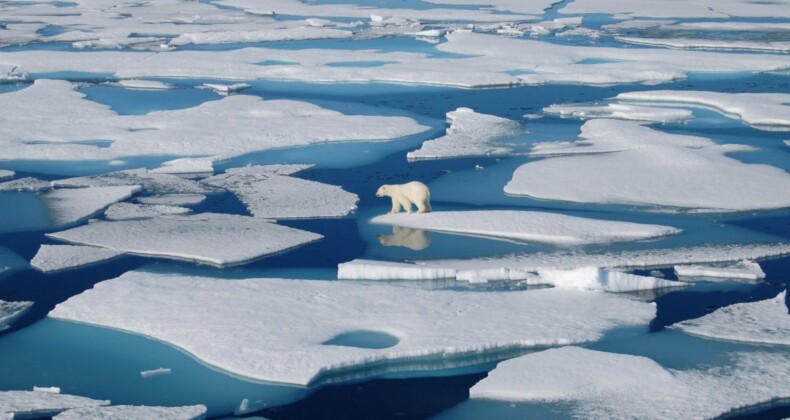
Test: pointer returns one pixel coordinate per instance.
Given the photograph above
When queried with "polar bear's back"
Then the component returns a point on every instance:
(415, 191)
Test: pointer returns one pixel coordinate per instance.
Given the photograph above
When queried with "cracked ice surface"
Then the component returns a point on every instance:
(269, 192)
(69, 205)
(651, 168)
(218, 239)
(42, 404)
(131, 412)
(766, 321)
(766, 111)
(528, 226)
(470, 134)
(129, 211)
(10, 312)
(293, 318)
(150, 181)
(743, 270)
(619, 386)
(50, 120)
(50, 258)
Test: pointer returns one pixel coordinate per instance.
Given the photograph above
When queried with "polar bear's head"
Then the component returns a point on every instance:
(383, 190)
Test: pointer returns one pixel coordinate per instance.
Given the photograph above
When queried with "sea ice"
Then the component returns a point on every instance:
(10, 312)
(710, 44)
(269, 192)
(361, 269)
(131, 412)
(470, 134)
(260, 35)
(768, 111)
(650, 168)
(23, 404)
(51, 258)
(186, 166)
(151, 181)
(721, 9)
(155, 372)
(528, 226)
(70, 205)
(742, 270)
(142, 84)
(594, 278)
(295, 320)
(218, 239)
(621, 111)
(596, 384)
(25, 184)
(5, 173)
(129, 211)
(172, 199)
(224, 89)
(766, 321)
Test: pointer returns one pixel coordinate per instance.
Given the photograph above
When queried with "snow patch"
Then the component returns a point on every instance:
(52, 258)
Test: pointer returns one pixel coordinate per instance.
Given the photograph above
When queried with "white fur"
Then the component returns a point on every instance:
(404, 195)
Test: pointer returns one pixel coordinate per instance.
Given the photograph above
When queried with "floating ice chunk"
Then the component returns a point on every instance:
(261, 35)
(246, 406)
(647, 258)
(225, 89)
(618, 386)
(528, 226)
(152, 182)
(268, 192)
(710, 44)
(139, 84)
(621, 112)
(186, 166)
(173, 199)
(155, 372)
(382, 270)
(766, 321)
(23, 404)
(51, 389)
(743, 270)
(470, 134)
(70, 205)
(51, 258)
(132, 412)
(25, 184)
(623, 9)
(10, 312)
(5, 173)
(767, 111)
(218, 239)
(594, 278)
(294, 320)
(673, 171)
(129, 211)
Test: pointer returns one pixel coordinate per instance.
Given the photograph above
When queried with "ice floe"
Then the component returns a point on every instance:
(51, 258)
(361, 269)
(10, 312)
(766, 321)
(651, 168)
(218, 239)
(470, 134)
(741, 270)
(25, 184)
(172, 199)
(296, 322)
(150, 181)
(269, 192)
(155, 372)
(132, 412)
(23, 404)
(260, 35)
(528, 226)
(139, 84)
(70, 205)
(50, 120)
(5, 173)
(621, 111)
(722, 9)
(710, 44)
(129, 211)
(186, 166)
(770, 111)
(597, 384)
(594, 278)
(224, 89)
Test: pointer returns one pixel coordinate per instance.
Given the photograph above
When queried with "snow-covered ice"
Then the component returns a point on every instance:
(186, 166)
(766, 321)
(51, 258)
(741, 270)
(172, 199)
(651, 168)
(721, 9)
(470, 134)
(621, 111)
(293, 320)
(594, 278)
(528, 226)
(150, 181)
(269, 192)
(129, 211)
(132, 412)
(24, 404)
(225, 89)
(769, 111)
(10, 312)
(70, 205)
(142, 84)
(362, 269)
(260, 35)
(5, 173)
(25, 184)
(595, 384)
(710, 44)
(218, 239)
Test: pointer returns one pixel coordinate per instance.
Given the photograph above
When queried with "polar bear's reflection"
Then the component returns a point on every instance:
(416, 239)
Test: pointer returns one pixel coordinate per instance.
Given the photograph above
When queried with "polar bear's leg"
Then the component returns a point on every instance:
(406, 204)
(395, 206)
(423, 206)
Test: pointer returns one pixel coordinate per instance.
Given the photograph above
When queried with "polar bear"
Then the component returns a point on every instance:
(404, 195)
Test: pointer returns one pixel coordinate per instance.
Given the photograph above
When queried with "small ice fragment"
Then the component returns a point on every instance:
(155, 372)
(5, 173)
(225, 89)
(186, 166)
(741, 270)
